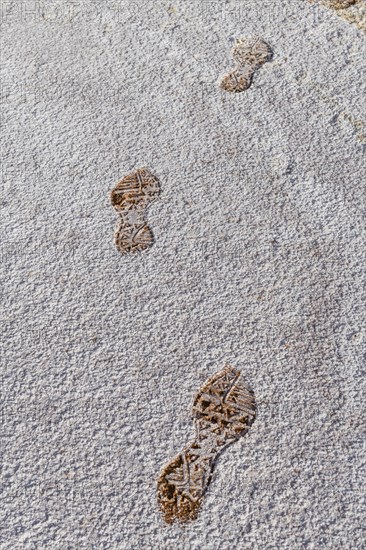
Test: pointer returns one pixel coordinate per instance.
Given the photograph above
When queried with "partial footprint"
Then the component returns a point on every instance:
(130, 198)
(339, 4)
(249, 54)
(223, 410)
(237, 80)
(353, 11)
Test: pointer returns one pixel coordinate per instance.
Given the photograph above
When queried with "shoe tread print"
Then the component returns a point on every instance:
(223, 410)
(130, 198)
(249, 54)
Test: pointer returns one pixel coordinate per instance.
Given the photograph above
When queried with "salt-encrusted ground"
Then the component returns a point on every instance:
(258, 263)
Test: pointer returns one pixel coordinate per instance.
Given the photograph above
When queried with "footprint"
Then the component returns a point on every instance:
(249, 54)
(130, 198)
(223, 410)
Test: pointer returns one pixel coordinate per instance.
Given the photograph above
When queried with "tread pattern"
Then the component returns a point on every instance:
(130, 198)
(249, 55)
(223, 410)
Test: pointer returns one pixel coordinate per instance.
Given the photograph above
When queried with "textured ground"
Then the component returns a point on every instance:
(258, 263)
